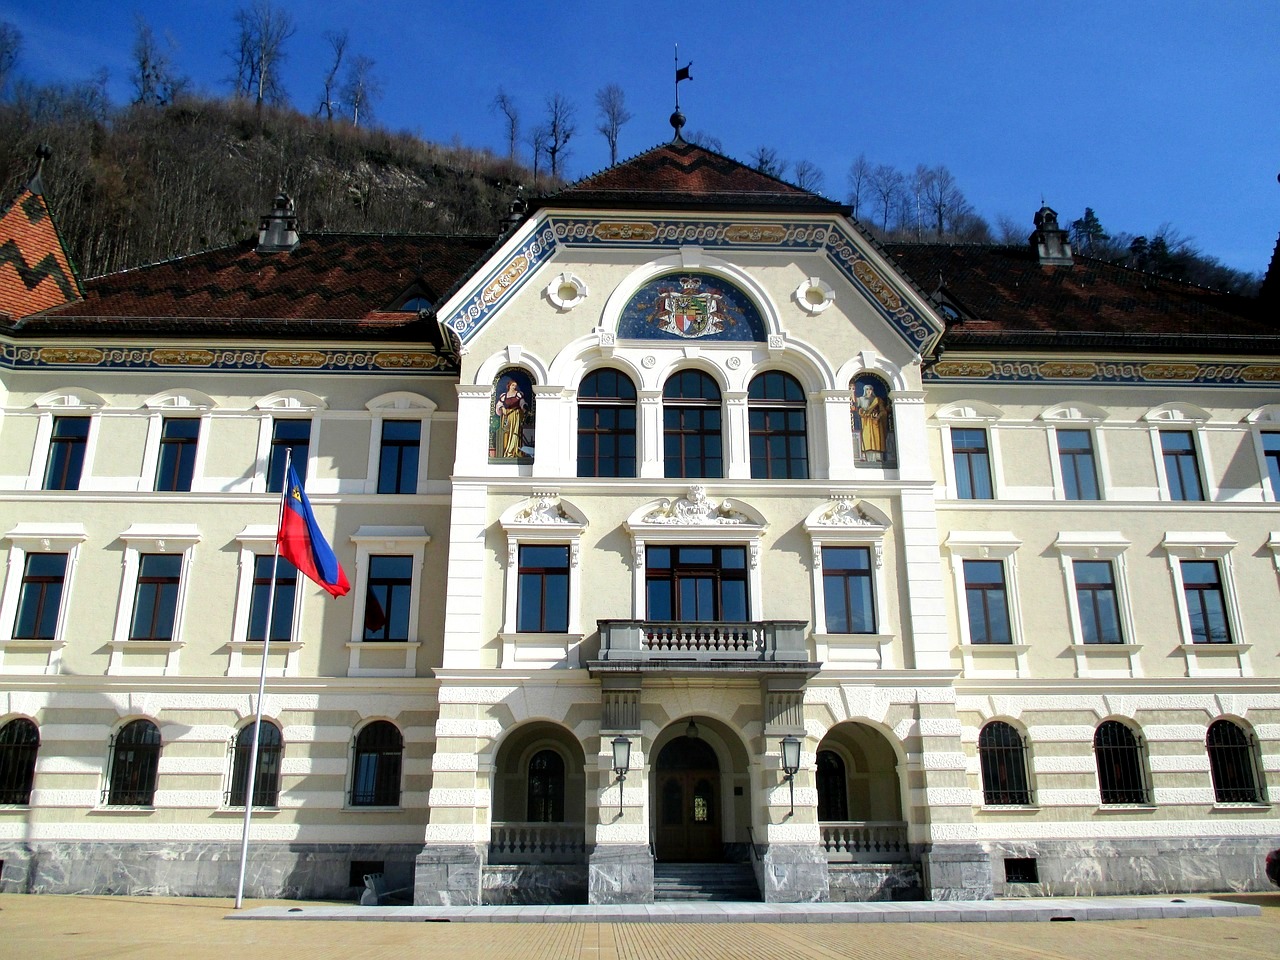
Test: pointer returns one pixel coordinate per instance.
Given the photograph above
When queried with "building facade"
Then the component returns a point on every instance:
(680, 474)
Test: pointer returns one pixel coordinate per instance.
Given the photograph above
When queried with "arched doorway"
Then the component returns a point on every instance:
(688, 803)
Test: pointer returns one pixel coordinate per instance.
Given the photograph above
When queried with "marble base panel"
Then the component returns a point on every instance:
(518, 885)
(956, 871)
(620, 873)
(1080, 868)
(872, 882)
(448, 875)
(793, 873)
(277, 870)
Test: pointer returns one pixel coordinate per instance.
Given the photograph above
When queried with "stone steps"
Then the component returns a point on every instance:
(682, 882)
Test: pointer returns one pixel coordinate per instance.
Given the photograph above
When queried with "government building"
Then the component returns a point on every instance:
(699, 544)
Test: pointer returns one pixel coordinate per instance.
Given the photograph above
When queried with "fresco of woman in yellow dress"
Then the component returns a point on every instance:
(511, 422)
(872, 420)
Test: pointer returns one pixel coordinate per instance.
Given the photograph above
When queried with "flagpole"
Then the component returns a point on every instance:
(250, 781)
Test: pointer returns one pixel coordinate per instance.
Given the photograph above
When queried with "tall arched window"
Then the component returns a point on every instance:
(692, 443)
(1233, 764)
(1003, 757)
(833, 788)
(1118, 753)
(135, 760)
(19, 743)
(779, 438)
(607, 425)
(546, 787)
(266, 781)
(375, 780)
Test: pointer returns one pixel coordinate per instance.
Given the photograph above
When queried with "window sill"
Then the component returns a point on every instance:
(1254, 806)
(121, 809)
(363, 808)
(155, 646)
(32, 643)
(1009, 808)
(239, 811)
(1127, 808)
(981, 648)
(384, 644)
(1223, 648)
(544, 650)
(1120, 649)
(252, 645)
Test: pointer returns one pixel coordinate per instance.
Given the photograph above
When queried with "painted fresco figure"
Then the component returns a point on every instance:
(872, 422)
(511, 416)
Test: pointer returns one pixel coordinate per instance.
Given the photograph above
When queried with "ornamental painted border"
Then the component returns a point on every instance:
(223, 359)
(1146, 372)
(883, 293)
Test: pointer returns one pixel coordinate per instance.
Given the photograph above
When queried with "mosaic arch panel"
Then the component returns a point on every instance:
(689, 305)
(875, 441)
(511, 417)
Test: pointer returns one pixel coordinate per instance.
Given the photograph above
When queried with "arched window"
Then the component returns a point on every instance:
(1118, 753)
(607, 425)
(1233, 764)
(266, 781)
(546, 787)
(19, 743)
(692, 442)
(833, 789)
(779, 439)
(376, 778)
(135, 759)
(1002, 755)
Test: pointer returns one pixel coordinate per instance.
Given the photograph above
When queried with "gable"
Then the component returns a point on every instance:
(35, 272)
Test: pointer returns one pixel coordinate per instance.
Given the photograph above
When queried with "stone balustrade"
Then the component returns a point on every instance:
(865, 841)
(516, 842)
(760, 641)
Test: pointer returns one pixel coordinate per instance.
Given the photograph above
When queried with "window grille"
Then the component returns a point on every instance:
(135, 760)
(1233, 764)
(266, 781)
(1118, 753)
(19, 744)
(1002, 754)
(376, 779)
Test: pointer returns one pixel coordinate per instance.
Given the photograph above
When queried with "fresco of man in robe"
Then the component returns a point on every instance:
(872, 423)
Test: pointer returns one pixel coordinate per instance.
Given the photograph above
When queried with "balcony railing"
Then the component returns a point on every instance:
(758, 641)
(865, 841)
(513, 842)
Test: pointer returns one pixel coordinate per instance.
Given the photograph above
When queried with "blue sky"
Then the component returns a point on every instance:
(1149, 112)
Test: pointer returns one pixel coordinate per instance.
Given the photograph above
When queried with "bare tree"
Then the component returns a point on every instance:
(361, 89)
(886, 187)
(808, 176)
(504, 105)
(859, 182)
(946, 202)
(560, 126)
(1009, 231)
(258, 54)
(155, 83)
(611, 103)
(704, 139)
(338, 41)
(537, 145)
(765, 160)
(10, 48)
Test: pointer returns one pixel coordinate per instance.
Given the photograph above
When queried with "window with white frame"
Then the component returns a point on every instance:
(1265, 425)
(1179, 451)
(388, 588)
(33, 607)
(985, 574)
(848, 556)
(154, 589)
(66, 438)
(1075, 450)
(289, 425)
(173, 458)
(399, 443)
(1200, 562)
(253, 595)
(971, 455)
(1093, 565)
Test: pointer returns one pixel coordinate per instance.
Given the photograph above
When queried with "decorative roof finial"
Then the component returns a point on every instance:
(43, 153)
(682, 73)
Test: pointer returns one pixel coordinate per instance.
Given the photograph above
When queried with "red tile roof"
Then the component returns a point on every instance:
(35, 273)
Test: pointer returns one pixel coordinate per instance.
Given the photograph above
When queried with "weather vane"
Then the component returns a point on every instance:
(682, 73)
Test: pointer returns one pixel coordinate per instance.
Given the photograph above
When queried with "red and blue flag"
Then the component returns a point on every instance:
(302, 543)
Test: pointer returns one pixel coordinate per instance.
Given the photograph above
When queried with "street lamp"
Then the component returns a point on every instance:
(790, 764)
(621, 764)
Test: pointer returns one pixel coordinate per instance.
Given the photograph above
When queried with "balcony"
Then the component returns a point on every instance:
(673, 646)
(865, 841)
(512, 842)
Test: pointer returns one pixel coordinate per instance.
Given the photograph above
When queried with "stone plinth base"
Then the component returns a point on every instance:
(620, 873)
(956, 871)
(793, 873)
(520, 884)
(448, 875)
(871, 882)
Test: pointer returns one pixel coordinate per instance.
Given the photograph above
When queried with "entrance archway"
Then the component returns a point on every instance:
(688, 803)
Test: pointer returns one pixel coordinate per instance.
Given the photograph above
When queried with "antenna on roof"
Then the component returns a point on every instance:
(682, 73)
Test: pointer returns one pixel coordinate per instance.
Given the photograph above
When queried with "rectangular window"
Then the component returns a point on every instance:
(972, 462)
(67, 444)
(1206, 606)
(847, 590)
(542, 602)
(179, 437)
(1096, 600)
(40, 597)
(1180, 467)
(155, 601)
(704, 584)
(398, 462)
(386, 609)
(987, 602)
(286, 436)
(1271, 450)
(1079, 471)
(282, 611)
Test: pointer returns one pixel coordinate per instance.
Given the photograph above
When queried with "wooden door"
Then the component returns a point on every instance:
(688, 802)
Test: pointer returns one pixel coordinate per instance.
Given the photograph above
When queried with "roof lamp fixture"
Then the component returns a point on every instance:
(814, 296)
(691, 731)
(790, 764)
(566, 291)
(621, 764)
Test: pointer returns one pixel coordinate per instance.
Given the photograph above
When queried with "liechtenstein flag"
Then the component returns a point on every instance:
(302, 543)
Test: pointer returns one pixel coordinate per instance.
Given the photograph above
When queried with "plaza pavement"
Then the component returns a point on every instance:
(163, 928)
